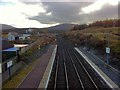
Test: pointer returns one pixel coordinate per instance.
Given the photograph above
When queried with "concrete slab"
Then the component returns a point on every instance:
(110, 83)
(33, 79)
(45, 79)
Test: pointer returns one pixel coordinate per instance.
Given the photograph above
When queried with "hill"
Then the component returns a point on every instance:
(6, 27)
(57, 28)
(9, 28)
(61, 28)
(97, 38)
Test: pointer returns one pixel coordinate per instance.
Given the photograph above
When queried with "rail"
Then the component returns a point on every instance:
(85, 70)
(80, 81)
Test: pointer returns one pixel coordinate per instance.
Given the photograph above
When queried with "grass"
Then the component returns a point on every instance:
(99, 35)
(112, 30)
(112, 38)
(16, 80)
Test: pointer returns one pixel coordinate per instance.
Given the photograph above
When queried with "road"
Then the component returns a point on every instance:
(71, 71)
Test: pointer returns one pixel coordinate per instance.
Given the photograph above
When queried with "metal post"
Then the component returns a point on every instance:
(9, 73)
(86, 33)
(86, 42)
(108, 39)
(107, 58)
(108, 46)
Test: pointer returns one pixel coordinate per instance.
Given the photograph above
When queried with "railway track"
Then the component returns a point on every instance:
(87, 81)
(69, 71)
(59, 77)
(73, 77)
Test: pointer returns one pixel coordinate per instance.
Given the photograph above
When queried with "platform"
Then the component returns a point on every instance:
(108, 81)
(46, 76)
(33, 79)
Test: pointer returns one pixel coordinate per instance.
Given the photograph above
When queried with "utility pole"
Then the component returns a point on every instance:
(108, 45)
(86, 33)
(107, 49)
(86, 41)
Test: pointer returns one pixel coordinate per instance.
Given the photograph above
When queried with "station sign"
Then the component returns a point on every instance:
(9, 64)
(107, 50)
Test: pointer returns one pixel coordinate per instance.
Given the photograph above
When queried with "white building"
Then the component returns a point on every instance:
(27, 34)
(29, 30)
(15, 36)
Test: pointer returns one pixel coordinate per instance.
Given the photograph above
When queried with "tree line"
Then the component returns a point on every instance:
(101, 23)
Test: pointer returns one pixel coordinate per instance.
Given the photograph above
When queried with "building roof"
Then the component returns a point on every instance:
(6, 44)
(4, 32)
(16, 34)
(12, 49)
(20, 45)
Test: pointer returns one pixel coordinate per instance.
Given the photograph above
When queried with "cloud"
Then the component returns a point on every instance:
(39, 13)
(18, 13)
(98, 5)
(69, 12)
(68, 1)
(108, 12)
(61, 12)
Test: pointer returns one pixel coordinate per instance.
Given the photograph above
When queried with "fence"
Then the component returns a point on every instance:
(23, 50)
(13, 70)
(16, 66)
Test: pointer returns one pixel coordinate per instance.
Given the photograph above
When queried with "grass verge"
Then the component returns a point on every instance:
(16, 80)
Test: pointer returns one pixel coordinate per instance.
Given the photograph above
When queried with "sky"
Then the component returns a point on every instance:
(46, 13)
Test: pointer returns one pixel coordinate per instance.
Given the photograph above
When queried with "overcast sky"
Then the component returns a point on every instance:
(45, 13)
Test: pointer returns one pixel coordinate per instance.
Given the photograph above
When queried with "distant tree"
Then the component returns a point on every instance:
(79, 27)
(106, 23)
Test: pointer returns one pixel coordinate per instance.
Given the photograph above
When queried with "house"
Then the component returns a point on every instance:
(26, 35)
(13, 36)
(30, 30)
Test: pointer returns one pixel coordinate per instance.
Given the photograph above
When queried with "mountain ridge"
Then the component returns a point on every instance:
(56, 28)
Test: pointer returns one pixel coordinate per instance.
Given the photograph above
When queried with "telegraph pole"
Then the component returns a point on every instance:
(86, 33)
(107, 49)
(86, 41)
(108, 45)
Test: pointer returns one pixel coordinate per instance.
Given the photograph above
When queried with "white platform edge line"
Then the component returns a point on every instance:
(52, 58)
(103, 62)
(28, 74)
(90, 62)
